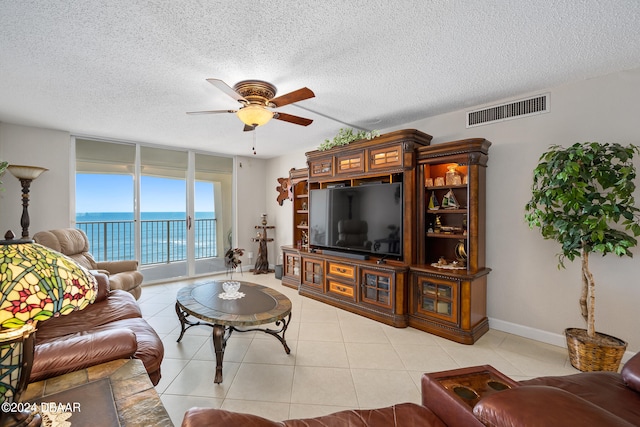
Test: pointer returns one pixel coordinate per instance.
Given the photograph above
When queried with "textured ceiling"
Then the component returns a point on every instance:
(129, 70)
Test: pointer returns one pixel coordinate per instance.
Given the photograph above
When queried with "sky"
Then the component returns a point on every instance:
(114, 193)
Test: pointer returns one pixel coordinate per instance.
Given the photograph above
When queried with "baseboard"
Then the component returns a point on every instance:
(528, 332)
(538, 334)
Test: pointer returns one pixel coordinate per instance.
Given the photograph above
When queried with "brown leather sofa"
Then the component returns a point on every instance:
(75, 244)
(584, 399)
(111, 328)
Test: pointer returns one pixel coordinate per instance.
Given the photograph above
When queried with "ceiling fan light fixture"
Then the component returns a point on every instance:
(254, 115)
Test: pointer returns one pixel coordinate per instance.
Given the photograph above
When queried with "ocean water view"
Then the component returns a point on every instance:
(163, 235)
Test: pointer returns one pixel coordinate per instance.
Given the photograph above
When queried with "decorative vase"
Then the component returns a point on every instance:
(231, 287)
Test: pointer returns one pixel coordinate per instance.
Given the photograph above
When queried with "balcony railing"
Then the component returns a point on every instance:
(162, 241)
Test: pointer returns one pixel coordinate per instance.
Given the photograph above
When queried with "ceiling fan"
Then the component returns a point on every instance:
(257, 97)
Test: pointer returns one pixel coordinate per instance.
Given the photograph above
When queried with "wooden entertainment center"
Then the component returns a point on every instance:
(439, 281)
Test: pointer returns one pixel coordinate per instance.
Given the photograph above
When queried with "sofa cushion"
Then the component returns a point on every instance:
(401, 415)
(150, 349)
(119, 305)
(103, 285)
(81, 350)
(542, 406)
(69, 241)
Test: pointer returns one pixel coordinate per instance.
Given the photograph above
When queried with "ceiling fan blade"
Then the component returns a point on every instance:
(291, 97)
(292, 119)
(248, 128)
(228, 90)
(212, 112)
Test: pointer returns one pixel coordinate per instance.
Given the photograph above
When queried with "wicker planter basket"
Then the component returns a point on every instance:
(587, 355)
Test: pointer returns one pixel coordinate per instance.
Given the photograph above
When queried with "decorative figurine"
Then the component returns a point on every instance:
(433, 201)
(449, 201)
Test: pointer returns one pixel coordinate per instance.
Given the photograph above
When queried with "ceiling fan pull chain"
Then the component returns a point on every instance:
(255, 130)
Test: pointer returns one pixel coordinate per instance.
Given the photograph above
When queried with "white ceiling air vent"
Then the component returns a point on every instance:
(512, 110)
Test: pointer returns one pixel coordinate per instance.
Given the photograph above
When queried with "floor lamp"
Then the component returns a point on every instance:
(25, 174)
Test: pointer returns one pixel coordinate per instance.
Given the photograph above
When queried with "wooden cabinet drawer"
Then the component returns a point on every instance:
(350, 163)
(321, 167)
(341, 289)
(343, 271)
(386, 157)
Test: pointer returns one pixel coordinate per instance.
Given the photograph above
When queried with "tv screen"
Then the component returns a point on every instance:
(366, 218)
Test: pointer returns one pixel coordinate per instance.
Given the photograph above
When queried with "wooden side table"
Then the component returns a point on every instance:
(457, 391)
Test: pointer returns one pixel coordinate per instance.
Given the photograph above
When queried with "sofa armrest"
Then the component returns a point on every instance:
(114, 267)
(542, 406)
(103, 285)
(81, 350)
(631, 373)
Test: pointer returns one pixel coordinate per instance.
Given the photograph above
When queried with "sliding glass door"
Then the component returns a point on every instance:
(169, 209)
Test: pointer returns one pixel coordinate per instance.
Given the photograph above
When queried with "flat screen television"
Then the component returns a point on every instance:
(365, 219)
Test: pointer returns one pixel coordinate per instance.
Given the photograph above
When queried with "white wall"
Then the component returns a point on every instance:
(50, 193)
(250, 200)
(527, 294)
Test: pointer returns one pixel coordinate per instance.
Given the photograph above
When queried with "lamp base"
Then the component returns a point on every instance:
(22, 419)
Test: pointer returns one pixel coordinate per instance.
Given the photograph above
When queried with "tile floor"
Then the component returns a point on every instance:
(338, 360)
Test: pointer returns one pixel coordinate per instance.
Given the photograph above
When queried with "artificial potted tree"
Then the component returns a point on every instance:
(582, 197)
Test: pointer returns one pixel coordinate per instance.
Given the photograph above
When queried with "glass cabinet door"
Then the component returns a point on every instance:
(312, 274)
(437, 298)
(292, 265)
(377, 287)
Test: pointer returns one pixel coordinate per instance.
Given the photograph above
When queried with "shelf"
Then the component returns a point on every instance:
(445, 187)
(447, 235)
(302, 211)
(447, 211)
(302, 196)
(302, 227)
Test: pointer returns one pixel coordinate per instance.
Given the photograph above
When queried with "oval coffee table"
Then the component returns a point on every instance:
(259, 306)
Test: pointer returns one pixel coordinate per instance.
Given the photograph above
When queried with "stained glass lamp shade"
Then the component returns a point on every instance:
(37, 283)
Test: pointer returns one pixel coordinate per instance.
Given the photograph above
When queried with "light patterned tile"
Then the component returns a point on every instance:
(196, 379)
(363, 332)
(323, 386)
(325, 354)
(270, 352)
(176, 405)
(376, 388)
(373, 356)
(265, 383)
(320, 332)
(425, 358)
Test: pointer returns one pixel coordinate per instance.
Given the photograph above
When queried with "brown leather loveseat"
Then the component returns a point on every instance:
(584, 399)
(111, 328)
(75, 244)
